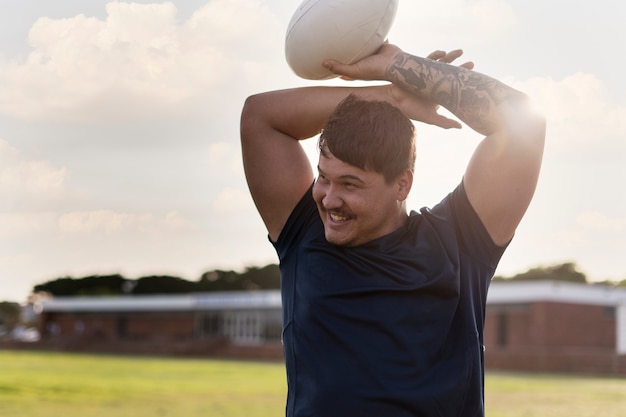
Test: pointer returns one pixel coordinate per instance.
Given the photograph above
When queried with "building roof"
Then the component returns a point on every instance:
(555, 291)
(499, 293)
(239, 300)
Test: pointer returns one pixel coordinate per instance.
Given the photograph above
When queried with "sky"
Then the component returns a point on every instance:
(119, 130)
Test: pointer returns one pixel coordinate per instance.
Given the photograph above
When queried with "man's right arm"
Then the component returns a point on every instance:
(277, 170)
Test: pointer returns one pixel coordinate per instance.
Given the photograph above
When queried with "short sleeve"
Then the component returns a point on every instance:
(300, 218)
(472, 236)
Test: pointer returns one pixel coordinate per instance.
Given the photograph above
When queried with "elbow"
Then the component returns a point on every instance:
(525, 125)
(537, 129)
(534, 120)
(251, 116)
(529, 137)
(252, 104)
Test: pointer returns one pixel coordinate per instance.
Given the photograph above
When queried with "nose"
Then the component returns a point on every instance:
(331, 200)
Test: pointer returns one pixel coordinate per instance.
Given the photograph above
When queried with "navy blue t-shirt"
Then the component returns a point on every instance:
(392, 328)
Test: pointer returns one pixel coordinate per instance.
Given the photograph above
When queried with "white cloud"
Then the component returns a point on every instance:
(174, 220)
(589, 230)
(596, 242)
(97, 221)
(23, 226)
(234, 26)
(232, 200)
(224, 160)
(18, 171)
(578, 110)
(24, 178)
(444, 22)
(219, 151)
(138, 63)
(598, 222)
(108, 222)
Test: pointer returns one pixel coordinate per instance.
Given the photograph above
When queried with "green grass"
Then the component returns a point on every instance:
(532, 395)
(38, 384)
(56, 384)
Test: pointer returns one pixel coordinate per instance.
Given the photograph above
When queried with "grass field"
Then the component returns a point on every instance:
(70, 385)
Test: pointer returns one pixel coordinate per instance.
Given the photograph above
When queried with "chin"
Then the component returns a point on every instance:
(343, 241)
(336, 240)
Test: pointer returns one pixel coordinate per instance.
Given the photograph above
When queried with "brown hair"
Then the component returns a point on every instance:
(370, 135)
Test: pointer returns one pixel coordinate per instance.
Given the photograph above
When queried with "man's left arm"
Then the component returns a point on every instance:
(502, 175)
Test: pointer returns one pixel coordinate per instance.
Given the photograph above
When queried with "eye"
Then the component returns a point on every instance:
(322, 179)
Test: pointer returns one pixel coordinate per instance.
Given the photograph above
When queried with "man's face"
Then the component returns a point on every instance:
(356, 206)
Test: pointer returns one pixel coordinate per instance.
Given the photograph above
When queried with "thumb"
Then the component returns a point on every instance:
(444, 122)
(336, 67)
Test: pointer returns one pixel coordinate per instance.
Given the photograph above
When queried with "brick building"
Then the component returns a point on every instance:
(531, 326)
(225, 324)
(553, 326)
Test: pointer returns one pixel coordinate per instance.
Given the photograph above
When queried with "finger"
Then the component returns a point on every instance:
(450, 124)
(436, 55)
(468, 65)
(444, 122)
(451, 56)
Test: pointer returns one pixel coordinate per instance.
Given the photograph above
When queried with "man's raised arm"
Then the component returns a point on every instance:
(501, 177)
(277, 169)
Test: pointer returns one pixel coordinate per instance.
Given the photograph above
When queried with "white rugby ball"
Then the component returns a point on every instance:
(344, 30)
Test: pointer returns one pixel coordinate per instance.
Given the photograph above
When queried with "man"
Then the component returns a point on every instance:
(383, 309)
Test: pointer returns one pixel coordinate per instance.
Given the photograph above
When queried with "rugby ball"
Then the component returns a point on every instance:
(344, 30)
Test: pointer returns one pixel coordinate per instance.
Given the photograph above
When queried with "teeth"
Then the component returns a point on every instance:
(338, 217)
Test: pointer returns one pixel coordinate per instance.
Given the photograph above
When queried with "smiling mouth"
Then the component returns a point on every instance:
(338, 218)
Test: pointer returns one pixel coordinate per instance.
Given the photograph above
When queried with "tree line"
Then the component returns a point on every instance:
(252, 278)
(566, 272)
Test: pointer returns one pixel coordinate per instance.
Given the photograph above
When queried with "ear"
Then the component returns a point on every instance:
(404, 182)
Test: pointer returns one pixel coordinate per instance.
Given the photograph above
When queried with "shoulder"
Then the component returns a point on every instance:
(456, 223)
(303, 216)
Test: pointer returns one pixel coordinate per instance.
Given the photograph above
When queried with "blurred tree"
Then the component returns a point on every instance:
(266, 278)
(9, 315)
(163, 284)
(90, 285)
(218, 280)
(563, 272)
(253, 278)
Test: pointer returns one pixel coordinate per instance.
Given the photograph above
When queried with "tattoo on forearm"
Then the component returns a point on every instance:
(469, 95)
